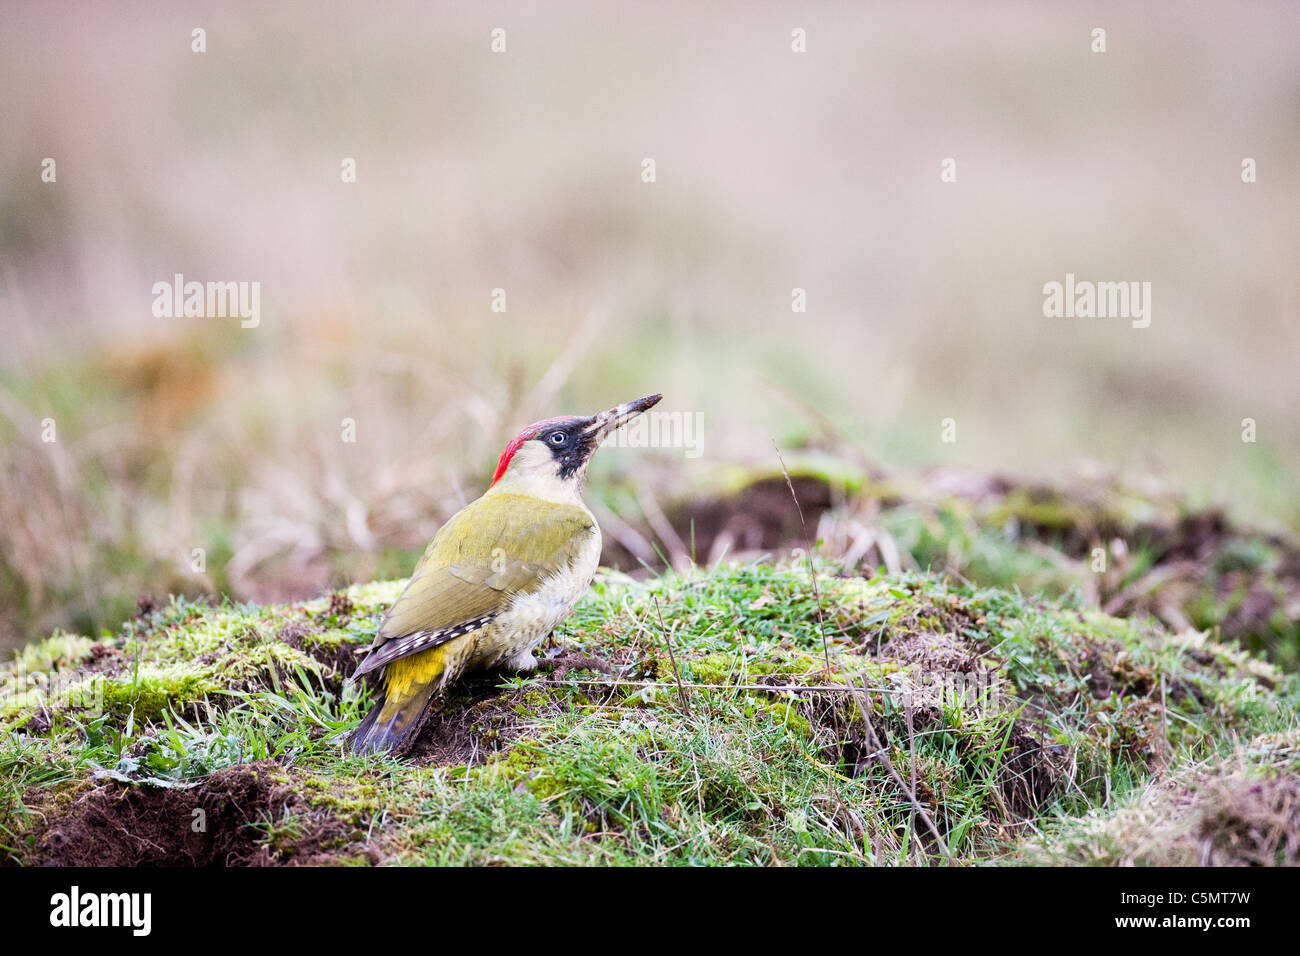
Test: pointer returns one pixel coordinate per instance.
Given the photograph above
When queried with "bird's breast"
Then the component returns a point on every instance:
(532, 616)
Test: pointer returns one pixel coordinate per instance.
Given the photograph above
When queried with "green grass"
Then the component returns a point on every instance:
(1004, 716)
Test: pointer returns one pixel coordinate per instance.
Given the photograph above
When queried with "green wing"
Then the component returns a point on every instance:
(468, 577)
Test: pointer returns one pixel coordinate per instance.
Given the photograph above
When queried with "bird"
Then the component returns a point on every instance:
(496, 579)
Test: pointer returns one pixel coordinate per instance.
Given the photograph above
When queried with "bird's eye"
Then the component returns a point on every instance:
(559, 438)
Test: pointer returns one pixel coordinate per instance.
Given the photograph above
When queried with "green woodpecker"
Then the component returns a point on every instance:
(497, 577)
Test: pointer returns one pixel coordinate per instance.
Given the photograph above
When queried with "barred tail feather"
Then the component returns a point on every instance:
(408, 685)
(387, 728)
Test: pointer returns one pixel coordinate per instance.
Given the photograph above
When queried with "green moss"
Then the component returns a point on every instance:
(354, 802)
(154, 690)
(786, 714)
(263, 664)
(532, 702)
(620, 772)
(834, 470)
(718, 668)
(58, 651)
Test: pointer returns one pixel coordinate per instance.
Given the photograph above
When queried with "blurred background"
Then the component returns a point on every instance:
(522, 171)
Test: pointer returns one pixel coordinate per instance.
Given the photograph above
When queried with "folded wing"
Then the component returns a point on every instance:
(496, 548)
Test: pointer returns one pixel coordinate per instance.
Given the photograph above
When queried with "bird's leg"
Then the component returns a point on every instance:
(553, 647)
(523, 661)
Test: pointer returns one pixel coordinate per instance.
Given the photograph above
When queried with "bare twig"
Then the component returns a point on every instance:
(625, 534)
(681, 690)
(566, 362)
(911, 755)
(808, 550)
(678, 556)
(864, 705)
(688, 685)
(1164, 721)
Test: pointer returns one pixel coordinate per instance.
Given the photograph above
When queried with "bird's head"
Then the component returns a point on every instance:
(548, 459)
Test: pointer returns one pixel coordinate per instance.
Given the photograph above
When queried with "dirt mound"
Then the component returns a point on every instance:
(338, 660)
(476, 719)
(468, 727)
(1252, 824)
(759, 517)
(247, 815)
(1240, 808)
(1192, 569)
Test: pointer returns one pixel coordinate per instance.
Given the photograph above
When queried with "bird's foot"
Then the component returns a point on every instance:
(524, 661)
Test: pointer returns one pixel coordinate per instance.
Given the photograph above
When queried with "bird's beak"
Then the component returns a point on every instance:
(604, 423)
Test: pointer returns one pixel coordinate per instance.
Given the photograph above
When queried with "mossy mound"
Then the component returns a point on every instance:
(751, 713)
(1130, 551)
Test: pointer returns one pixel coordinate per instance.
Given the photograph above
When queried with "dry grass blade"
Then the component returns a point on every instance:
(681, 689)
(864, 706)
(808, 550)
(679, 556)
(691, 685)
